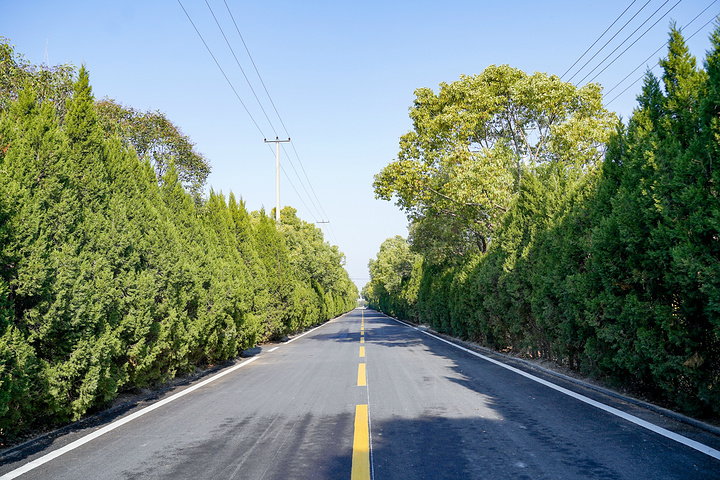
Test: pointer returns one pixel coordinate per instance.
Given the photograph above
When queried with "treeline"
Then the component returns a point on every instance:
(114, 273)
(614, 271)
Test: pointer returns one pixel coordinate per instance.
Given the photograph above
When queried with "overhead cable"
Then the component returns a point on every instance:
(222, 71)
(262, 82)
(255, 66)
(293, 187)
(611, 39)
(240, 66)
(598, 39)
(260, 103)
(657, 63)
(644, 62)
(630, 36)
(300, 178)
(227, 79)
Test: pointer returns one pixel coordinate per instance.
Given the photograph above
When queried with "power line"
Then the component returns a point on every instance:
(243, 103)
(658, 63)
(635, 70)
(644, 62)
(630, 46)
(299, 178)
(319, 203)
(240, 66)
(287, 177)
(611, 39)
(308, 179)
(221, 70)
(598, 39)
(255, 66)
(332, 231)
(630, 36)
(274, 107)
(258, 99)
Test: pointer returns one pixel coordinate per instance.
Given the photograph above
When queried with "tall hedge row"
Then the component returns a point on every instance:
(617, 274)
(112, 279)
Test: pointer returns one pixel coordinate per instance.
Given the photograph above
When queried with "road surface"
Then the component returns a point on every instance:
(365, 396)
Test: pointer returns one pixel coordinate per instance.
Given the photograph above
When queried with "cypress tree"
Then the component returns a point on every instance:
(109, 281)
(81, 124)
(273, 253)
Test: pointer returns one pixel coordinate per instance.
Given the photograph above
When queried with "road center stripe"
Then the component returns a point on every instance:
(361, 376)
(361, 445)
(362, 351)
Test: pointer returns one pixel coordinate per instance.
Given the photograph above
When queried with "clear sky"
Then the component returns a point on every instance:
(341, 74)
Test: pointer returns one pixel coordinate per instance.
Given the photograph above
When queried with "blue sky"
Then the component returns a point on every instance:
(341, 74)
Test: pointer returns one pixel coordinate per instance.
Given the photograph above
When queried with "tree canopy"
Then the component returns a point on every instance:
(156, 138)
(151, 134)
(111, 280)
(394, 275)
(460, 167)
(605, 257)
(53, 84)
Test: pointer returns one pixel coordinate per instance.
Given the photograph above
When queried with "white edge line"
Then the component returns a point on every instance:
(109, 428)
(310, 331)
(700, 447)
(273, 349)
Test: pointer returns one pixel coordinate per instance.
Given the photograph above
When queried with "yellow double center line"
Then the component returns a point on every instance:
(361, 441)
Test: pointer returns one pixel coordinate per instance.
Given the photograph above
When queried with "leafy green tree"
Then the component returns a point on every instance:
(394, 264)
(323, 287)
(394, 278)
(52, 84)
(459, 169)
(310, 255)
(152, 135)
(611, 270)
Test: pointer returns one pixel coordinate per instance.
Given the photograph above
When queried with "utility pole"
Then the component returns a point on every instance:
(322, 229)
(277, 143)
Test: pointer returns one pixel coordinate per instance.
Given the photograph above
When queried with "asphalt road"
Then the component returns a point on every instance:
(365, 396)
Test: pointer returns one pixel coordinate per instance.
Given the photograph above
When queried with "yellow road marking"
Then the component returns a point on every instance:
(362, 382)
(362, 339)
(362, 351)
(361, 445)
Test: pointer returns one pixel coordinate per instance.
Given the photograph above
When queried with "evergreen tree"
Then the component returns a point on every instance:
(111, 280)
(273, 253)
(614, 271)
